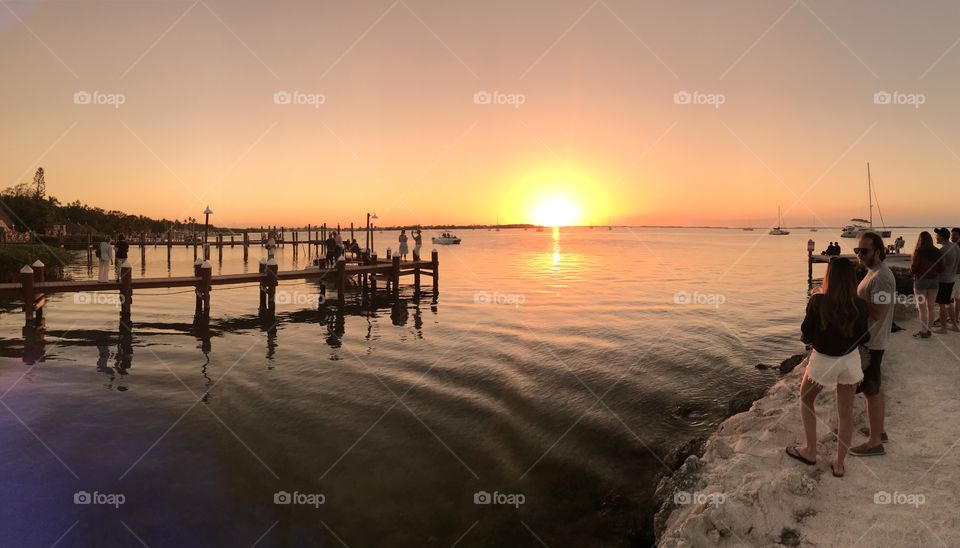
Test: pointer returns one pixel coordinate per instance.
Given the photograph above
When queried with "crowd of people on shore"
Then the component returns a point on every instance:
(847, 328)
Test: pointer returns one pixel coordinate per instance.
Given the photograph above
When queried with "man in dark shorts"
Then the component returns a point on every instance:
(950, 256)
(878, 288)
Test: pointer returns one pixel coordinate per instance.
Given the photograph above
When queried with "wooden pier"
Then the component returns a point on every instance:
(33, 290)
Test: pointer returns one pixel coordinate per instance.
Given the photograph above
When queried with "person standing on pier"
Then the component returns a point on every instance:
(835, 325)
(122, 248)
(878, 288)
(403, 245)
(331, 249)
(105, 254)
(417, 244)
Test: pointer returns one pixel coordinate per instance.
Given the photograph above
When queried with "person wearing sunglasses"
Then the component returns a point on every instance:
(878, 288)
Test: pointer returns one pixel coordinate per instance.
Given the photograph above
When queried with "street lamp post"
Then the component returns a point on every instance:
(206, 226)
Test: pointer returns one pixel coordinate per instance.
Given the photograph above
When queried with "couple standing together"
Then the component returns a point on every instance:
(848, 326)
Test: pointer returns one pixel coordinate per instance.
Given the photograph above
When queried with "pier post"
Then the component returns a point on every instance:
(341, 282)
(126, 287)
(206, 272)
(38, 300)
(272, 268)
(294, 244)
(26, 291)
(811, 245)
(373, 277)
(263, 285)
(416, 277)
(246, 244)
(395, 274)
(435, 259)
(198, 310)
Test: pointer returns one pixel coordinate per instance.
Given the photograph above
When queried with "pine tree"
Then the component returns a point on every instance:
(39, 183)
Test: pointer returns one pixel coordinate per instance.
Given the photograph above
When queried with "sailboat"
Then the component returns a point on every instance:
(777, 231)
(857, 228)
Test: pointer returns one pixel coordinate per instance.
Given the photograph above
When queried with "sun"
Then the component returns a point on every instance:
(556, 211)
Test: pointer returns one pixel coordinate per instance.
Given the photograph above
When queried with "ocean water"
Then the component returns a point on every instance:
(532, 399)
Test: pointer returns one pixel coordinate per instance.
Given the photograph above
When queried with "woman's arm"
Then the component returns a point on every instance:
(811, 320)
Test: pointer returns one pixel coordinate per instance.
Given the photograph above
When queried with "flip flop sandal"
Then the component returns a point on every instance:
(794, 453)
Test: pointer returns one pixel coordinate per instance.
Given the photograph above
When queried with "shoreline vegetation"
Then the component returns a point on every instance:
(14, 257)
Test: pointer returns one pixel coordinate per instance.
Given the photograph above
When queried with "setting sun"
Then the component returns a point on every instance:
(556, 211)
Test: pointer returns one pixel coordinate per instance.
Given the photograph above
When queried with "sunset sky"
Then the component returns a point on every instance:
(588, 121)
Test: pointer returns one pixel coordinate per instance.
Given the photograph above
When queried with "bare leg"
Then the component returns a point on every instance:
(808, 416)
(875, 409)
(921, 309)
(845, 395)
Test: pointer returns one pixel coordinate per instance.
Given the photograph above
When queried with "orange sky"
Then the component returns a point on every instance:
(584, 112)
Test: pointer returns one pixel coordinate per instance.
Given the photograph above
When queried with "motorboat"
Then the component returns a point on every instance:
(854, 230)
(446, 238)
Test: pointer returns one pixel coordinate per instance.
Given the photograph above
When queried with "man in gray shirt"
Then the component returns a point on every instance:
(950, 256)
(878, 288)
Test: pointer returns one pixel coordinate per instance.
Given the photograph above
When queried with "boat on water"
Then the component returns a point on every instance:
(446, 238)
(860, 226)
(748, 228)
(777, 231)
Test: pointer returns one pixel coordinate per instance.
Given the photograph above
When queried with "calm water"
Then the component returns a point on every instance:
(556, 366)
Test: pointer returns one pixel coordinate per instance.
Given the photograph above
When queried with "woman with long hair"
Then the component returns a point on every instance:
(835, 325)
(925, 267)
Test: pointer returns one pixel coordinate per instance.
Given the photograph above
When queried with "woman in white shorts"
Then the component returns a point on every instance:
(835, 325)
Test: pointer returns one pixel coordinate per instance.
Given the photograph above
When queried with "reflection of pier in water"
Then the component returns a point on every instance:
(128, 335)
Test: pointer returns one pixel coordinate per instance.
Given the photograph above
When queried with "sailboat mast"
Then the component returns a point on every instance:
(870, 194)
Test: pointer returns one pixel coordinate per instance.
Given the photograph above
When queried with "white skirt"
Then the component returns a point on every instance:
(829, 371)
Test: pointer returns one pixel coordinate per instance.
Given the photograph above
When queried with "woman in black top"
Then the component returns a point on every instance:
(835, 326)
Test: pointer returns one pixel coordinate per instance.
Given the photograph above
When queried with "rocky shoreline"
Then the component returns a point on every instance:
(738, 487)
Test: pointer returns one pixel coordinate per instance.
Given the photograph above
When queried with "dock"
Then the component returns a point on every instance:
(367, 271)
